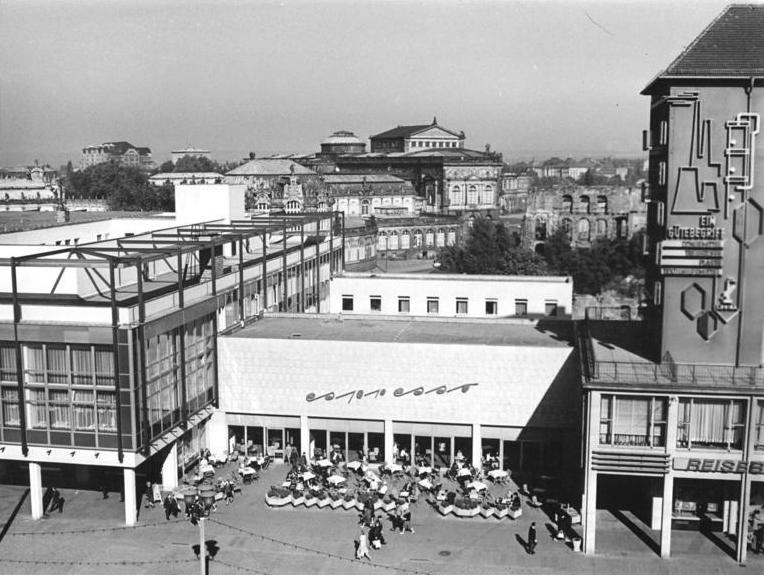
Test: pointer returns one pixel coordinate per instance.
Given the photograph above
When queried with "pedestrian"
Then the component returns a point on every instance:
(228, 492)
(168, 506)
(288, 453)
(363, 546)
(46, 498)
(532, 541)
(149, 495)
(57, 502)
(407, 519)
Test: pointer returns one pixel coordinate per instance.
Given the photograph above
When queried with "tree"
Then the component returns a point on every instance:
(196, 164)
(124, 188)
(490, 250)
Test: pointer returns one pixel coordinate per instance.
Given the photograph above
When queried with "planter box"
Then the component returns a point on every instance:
(516, 513)
(487, 512)
(310, 501)
(323, 503)
(378, 505)
(501, 513)
(297, 501)
(459, 512)
(389, 506)
(278, 501)
(335, 503)
(445, 509)
(348, 504)
(359, 506)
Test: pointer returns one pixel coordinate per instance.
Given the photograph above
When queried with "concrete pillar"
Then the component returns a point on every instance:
(667, 508)
(590, 512)
(389, 458)
(131, 506)
(170, 469)
(35, 489)
(477, 446)
(305, 445)
(742, 518)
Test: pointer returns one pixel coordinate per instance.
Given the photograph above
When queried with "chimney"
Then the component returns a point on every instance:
(251, 155)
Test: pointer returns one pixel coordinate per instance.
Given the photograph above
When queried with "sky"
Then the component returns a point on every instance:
(532, 79)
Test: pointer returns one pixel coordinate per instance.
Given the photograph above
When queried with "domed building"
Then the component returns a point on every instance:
(342, 142)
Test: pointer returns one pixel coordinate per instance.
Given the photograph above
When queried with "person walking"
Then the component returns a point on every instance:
(407, 519)
(228, 493)
(168, 506)
(149, 495)
(57, 502)
(363, 546)
(532, 540)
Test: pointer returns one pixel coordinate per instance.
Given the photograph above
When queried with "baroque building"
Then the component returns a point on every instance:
(123, 153)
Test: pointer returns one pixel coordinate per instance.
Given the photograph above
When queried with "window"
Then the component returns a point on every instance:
(84, 412)
(404, 304)
(491, 307)
(432, 305)
(107, 411)
(521, 307)
(488, 195)
(633, 421)
(550, 307)
(375, 303)
(347, 303)
(758, 438)
(461, 305)
(10, 401)
(711, 423)
(583, 230)
(602, 228)
(60, 410)
(36, 410)
(540, 230)
(472, 195)
(364, 207)
(602, 204)
(567, 204)
(457, 198)
(585, 208)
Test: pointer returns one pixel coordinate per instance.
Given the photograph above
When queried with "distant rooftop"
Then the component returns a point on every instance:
(459, 277)
(394, 329)
(731, 46)
(270, 167)
(31, 220)
(408, 131)
(360, 178)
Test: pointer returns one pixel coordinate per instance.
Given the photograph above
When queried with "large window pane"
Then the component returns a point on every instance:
(84, 410)
(107, 411)
(36, 409)
(60, 409)
(8, 363)
(57, 371)
(10, 401)
(631, 422)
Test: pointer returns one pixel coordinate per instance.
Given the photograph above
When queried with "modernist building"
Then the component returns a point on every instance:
(676, 428)
(451, 295)
(415, 138)
(123, 153)
(584, 213)
(433, 386)
(109, 366)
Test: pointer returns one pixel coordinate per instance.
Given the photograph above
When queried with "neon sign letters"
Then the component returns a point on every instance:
(358, 394)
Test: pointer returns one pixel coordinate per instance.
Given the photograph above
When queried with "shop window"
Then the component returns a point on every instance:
(711, 423)
(491, 307)
(521, 307)
(404, 304)
(433, 305)
(375, 303)
(347, 303)
(633, 421)
(550, 307)
(461, 306)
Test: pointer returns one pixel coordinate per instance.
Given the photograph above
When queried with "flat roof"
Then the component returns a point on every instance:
(393, 329)
(454, 277)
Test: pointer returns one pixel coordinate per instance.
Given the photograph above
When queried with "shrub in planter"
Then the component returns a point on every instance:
(450, 497)
(310, 499)
(348, 502)
(323, 499)
(486, 510)
(278, 496)
(298, 498)
(335, 499)
(388, 504)
(444, 508)
(502, 509)
(466, 507)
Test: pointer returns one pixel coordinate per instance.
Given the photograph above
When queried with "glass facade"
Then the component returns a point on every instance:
(711, 423)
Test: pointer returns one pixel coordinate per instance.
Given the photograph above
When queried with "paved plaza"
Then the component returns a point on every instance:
(253, 538)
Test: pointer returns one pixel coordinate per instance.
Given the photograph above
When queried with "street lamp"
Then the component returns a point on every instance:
(198, 503)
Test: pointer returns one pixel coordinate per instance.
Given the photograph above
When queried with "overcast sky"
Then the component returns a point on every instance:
(529, 78)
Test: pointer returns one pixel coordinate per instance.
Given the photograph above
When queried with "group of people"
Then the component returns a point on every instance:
(372, 531)
(52, 501)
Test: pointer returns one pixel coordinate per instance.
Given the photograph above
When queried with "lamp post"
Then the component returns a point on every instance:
(198, 503)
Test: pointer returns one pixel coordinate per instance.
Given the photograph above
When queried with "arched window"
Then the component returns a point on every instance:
(601, 228)
(585, 208)
(429, 239)
(440, 238)
(293, 206)
(457, 198)
(602, 204)
(567, 204)
(472, 195)
(405, 240)
(566, 225)
(392, 241)
(381, 242)
(583, 230)
(540, 230)
(418, 238)
(451, 238)
(364, 207)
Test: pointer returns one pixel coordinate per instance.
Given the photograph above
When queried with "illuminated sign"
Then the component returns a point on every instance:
(358, 394)
(719, 466)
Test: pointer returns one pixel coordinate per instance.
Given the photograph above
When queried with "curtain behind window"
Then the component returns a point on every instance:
(707, 422)
(632, 416)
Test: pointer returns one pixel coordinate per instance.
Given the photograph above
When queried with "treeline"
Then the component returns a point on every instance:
(606, 265)
(123, 188)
